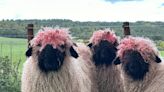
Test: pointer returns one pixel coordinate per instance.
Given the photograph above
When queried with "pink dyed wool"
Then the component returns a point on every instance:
(55, 37)
(145, 46)
(103, 35)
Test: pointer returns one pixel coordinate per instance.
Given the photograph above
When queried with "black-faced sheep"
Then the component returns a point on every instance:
(103, 45)
(53, 65)
(140, 65)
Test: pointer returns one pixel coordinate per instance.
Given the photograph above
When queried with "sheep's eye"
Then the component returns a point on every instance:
(62, 46)
(39, 45)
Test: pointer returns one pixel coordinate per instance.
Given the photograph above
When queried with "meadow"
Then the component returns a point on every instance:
(15, 49)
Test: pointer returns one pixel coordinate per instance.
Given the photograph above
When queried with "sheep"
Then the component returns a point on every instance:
(103, 45)
(140, 64)
(53, 64)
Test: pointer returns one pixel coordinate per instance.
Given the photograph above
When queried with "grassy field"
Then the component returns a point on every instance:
(14, 48)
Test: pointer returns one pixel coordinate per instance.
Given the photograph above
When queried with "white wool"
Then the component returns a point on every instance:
(109, 79)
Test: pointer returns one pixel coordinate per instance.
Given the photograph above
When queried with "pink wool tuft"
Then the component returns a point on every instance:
(144, 45)
(103, 35)
(55, 37)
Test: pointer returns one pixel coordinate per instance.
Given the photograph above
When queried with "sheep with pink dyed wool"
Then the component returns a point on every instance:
(140, 64)
(103, 45)
(53, 65)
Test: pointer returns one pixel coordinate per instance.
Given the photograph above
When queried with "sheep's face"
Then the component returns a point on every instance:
(50, 47)
(137, 55)
(134, 65)
(49, 58)
(103, 53)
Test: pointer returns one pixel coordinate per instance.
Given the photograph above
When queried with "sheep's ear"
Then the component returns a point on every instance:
(75, 44)
(29, 52)
(90, 45)
(117, 61)
(157, 59)
(73, 52)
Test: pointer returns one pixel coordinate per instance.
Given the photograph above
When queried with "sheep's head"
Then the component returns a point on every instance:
(49, 48)
(103, 45)
(136, 55)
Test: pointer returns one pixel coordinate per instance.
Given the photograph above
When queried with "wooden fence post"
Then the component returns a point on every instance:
(126, 29)
(30, 32)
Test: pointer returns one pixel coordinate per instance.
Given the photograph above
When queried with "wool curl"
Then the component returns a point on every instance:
(145, 46)
(106, 34)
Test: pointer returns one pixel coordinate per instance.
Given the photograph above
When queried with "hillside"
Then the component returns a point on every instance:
(82, 30)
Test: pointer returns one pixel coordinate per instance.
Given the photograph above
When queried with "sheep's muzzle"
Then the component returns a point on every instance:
(50, 59)
(104, 53)
(134, 65)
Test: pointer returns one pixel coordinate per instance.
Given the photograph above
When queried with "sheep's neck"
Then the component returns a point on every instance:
(109, 79)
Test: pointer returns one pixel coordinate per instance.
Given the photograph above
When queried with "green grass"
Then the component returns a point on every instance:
(162, 53)
(14, 48)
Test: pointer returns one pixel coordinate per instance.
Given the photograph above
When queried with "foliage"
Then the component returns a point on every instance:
(161, 45)
(9, 76)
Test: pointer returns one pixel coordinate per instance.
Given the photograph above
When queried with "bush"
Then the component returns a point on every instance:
(9, 76)
(160, 45)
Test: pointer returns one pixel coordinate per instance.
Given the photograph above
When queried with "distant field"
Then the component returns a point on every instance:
(14, 48)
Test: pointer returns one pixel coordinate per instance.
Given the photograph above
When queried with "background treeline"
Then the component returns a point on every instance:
(83, 30)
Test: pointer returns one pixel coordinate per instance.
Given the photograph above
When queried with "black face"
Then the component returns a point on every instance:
(104, 53)
(50, 59)
(134, 65)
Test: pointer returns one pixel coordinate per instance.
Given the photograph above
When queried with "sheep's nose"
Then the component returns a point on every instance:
(50, 59)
